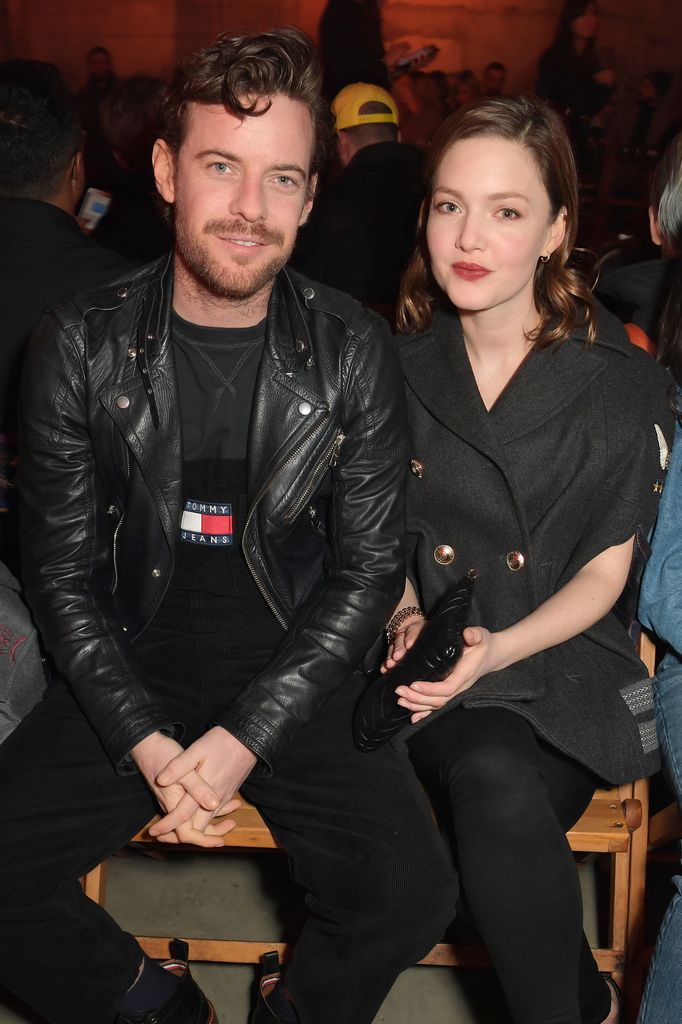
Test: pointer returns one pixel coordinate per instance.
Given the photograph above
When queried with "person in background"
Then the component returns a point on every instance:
(467, 89)
(351, 45)
(99, 161)
(537, 437)
(571, 78)
(44, 255)
(360, 234)
(131, 116)
(213, 462)
(640, 292)
(660, 607)
(494, 79)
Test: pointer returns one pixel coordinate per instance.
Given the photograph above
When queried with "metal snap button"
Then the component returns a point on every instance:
(444, 554)
(308, 293)
(156, 572)
(515, 560)
(122, 292)
(305, 408)
(132, 352)
(417, 468)
(123, 401)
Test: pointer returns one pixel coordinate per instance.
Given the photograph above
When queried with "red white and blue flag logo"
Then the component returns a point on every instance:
(207, 522)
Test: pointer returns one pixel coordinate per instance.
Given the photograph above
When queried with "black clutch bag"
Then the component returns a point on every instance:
(378, 716)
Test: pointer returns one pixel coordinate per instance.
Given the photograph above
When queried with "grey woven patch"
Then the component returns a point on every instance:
(639, 697)
(648, 736)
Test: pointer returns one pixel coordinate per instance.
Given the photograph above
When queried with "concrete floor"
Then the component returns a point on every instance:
(249, 896)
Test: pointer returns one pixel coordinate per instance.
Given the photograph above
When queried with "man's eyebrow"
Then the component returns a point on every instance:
(233, 158)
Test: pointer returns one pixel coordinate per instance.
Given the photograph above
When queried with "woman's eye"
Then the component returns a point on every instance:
(447, 207)
(508, 214)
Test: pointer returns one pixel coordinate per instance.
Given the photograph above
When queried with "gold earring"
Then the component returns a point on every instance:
(544, 259)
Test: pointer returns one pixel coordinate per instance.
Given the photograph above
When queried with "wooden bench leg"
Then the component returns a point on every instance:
(95, 884)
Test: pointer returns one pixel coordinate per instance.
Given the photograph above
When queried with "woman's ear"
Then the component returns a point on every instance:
(557, 231)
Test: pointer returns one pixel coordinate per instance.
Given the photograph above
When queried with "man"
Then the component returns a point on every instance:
(494, 79)
(99, 160)
(44, 256)
(212, 494)
(362, 230)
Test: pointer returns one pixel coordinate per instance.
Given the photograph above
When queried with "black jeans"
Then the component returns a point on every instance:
(509, 799)
(357, 830)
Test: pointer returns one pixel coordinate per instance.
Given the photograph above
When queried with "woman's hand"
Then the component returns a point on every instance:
(479, 656)
(404, 639)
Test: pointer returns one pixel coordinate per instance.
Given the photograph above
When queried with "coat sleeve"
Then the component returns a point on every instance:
(660, 606)
(67, 555)
(334, 629)
(638, 427)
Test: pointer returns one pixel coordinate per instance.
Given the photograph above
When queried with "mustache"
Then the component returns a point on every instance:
(238, 229)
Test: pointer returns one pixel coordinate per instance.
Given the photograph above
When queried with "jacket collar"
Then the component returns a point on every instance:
(438, 371)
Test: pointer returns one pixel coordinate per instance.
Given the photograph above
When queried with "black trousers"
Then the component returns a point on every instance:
(508, 800)
(357, 829)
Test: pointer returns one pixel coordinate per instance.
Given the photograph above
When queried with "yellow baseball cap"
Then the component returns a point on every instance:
(347, 106)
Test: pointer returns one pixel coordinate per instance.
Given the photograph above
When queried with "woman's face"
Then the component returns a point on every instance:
(489, 222)
(585, 25)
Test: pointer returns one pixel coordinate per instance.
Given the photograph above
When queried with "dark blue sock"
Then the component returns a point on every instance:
(153, 988)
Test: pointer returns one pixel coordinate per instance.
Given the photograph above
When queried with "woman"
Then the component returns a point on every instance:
(570, 75)
(661, 602)
(536, 460)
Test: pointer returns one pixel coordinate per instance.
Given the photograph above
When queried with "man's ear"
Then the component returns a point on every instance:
(163, 162)
(344, 148)
(77, 175)
(305, 212)
(654, 229)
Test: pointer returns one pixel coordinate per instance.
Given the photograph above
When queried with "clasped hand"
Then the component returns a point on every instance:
(479, 656)
(194, 786)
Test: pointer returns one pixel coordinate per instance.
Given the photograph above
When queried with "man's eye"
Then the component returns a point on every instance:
(285, 179)
(220, 167)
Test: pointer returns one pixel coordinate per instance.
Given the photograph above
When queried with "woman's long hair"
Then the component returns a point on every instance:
(561, 297)
(666, 202)
(563, 37)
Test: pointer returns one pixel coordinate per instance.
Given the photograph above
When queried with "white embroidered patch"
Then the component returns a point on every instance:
(663, 450)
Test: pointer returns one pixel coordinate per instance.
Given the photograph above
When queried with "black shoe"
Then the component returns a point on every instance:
(187, 1005)
(266, 1011)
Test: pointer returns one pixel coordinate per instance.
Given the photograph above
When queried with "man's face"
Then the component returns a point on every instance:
(241, 189)
(493, 81)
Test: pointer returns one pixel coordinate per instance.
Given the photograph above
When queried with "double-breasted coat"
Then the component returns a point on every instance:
(569, 461)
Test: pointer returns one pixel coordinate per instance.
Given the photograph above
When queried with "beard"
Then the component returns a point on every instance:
(238, 278)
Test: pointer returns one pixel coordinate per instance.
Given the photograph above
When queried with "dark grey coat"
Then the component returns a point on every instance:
(565, 464)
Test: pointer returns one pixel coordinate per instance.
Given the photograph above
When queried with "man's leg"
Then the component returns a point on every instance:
(362, 843)
(62, 810)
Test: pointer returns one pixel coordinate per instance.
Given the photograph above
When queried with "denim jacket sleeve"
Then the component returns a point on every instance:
(660, 604)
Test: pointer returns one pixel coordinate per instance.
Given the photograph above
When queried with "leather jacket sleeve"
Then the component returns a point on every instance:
(331, 633)
(67, 541)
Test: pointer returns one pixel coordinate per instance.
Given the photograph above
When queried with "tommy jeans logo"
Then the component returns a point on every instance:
(207, 522)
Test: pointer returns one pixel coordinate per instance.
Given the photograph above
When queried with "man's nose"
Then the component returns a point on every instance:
(248, 200)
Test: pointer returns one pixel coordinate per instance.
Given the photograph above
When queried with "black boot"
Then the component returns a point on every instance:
(272, 1007)
(187, 1005)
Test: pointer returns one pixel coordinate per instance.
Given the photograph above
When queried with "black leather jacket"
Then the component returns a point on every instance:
(101, 491)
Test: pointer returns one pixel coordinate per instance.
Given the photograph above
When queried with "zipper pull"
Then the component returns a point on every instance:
(336, 449)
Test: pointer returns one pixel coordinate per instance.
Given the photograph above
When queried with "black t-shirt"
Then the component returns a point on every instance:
(216, 371)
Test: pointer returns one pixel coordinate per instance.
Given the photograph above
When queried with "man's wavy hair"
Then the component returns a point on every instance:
(562, 297)
(239, 71)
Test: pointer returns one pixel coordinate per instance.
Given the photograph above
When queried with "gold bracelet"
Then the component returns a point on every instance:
(396, 622)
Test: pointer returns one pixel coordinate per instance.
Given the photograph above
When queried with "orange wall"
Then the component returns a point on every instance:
(150, 34)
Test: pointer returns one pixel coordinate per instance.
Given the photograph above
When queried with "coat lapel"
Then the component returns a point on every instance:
(437, 369)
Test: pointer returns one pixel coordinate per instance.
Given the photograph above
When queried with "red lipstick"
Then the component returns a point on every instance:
(470, 271)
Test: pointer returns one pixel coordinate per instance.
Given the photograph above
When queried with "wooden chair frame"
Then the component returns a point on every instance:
(615, 823)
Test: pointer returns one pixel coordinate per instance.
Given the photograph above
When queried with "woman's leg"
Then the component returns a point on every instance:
(663, 993)
(512, 799)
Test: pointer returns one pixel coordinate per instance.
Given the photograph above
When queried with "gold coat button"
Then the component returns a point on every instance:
(515, 560)
(444, 554)
(417, 468)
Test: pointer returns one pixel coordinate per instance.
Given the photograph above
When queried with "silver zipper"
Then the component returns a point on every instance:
(110, 511)
(264, 489)
(331, 457)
